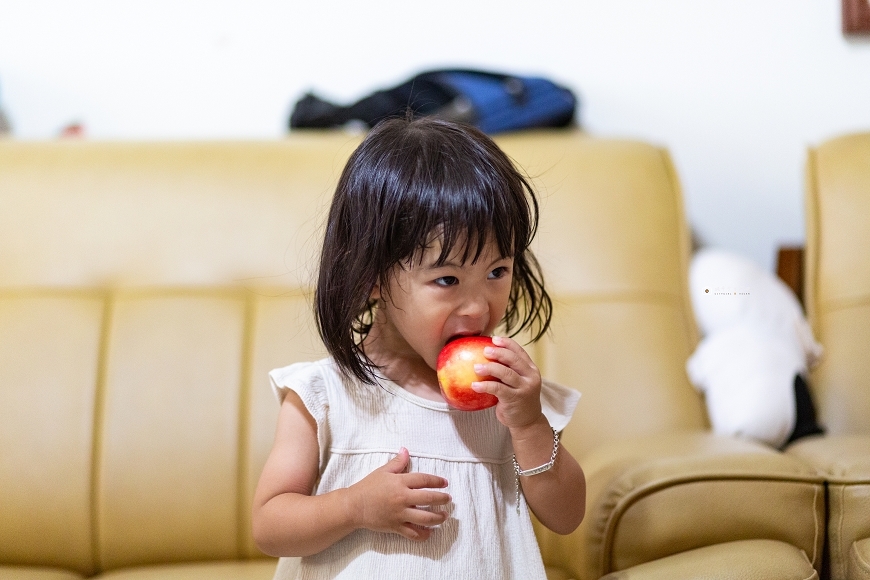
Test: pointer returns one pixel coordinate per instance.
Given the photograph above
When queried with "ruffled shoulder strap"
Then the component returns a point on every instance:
(309, 381)
(558, 403)
(306, 380)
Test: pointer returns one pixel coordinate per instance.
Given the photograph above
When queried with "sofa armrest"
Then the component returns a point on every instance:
(655, 497)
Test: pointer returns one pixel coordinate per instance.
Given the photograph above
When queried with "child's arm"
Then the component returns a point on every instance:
(557, 496)
(289, 521)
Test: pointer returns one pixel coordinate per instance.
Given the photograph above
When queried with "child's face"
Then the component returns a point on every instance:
(426, 305)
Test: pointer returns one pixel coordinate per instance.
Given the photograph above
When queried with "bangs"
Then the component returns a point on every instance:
(459, 193)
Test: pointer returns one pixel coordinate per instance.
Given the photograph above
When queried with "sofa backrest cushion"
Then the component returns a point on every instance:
(614, 245)
(837, 285)
(146, 289)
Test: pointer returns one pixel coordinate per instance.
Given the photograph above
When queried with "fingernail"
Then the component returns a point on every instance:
(488, 351)
(496, 340)
(475, 386)
(478, 368)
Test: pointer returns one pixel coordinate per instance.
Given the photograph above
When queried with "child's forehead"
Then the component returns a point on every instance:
(461, 250)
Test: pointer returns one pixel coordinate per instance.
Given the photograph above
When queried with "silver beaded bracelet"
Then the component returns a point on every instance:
(536, 470)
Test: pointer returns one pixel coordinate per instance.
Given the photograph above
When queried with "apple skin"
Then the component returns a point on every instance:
(455, 368)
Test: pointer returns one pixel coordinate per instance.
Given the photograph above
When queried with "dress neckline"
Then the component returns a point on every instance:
(395, 389)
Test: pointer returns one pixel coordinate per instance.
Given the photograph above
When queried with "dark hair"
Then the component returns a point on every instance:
(407, 181)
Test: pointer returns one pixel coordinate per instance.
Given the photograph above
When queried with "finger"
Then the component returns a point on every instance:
(502, 372)
(491, 387)
(424, 480)
(513, 346)
(514, 356)
(416, 533)
(425, 518)
(399, 463)
(516, 359)
(426, 497)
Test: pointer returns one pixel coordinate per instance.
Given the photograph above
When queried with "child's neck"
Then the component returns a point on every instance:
(419, 380)
(403, 367)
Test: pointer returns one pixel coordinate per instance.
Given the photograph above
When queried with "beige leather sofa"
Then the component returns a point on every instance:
(147, 288)
(837, 287)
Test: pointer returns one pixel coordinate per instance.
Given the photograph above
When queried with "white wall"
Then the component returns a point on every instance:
(735, 89)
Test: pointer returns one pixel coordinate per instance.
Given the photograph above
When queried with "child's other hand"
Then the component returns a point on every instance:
(388, 500)
(519, 392)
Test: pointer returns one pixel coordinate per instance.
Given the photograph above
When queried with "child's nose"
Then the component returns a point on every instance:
(474, 306)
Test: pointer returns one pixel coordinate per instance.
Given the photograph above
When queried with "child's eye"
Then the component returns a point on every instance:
(498, 273)
(447, 281)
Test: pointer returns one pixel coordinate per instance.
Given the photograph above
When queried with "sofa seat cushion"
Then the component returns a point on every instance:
(756, 559)
(844, 461)
(237, 570)
(554, 573)
(36, 573)
(859, 561)
(841, 458)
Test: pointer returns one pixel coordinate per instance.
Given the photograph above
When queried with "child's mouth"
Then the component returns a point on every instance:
(458, 336)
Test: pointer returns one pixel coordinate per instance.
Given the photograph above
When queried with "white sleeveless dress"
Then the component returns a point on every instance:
(361, 427)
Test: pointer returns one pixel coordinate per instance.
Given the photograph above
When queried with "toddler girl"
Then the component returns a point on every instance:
(372, 474)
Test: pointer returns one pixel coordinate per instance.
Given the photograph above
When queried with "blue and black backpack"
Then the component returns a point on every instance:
(493, 102)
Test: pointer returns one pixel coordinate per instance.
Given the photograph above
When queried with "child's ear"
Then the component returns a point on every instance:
(375, 294)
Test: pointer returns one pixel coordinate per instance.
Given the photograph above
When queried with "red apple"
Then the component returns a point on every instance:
(455, 369)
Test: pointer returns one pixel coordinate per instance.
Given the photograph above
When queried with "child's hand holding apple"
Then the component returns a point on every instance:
(477, 372)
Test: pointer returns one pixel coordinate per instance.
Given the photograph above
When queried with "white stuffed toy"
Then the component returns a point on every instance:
(756, 340)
